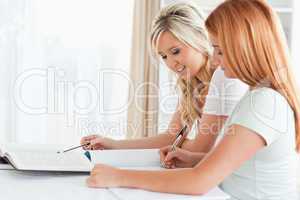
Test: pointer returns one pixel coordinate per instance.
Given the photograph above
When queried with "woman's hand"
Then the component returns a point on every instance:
(103, 176)
(96, 142)
(180, 158)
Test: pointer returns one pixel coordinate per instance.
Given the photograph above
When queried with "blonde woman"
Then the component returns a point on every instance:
(179, 38)
(256, 158)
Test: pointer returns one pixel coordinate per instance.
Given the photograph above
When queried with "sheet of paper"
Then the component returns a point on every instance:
(127, 157)
(136, 194)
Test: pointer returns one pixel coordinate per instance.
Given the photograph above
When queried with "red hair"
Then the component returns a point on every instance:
(254, 46)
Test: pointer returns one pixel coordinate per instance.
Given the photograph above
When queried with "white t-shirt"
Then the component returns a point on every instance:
(271, 173)
(223, 94)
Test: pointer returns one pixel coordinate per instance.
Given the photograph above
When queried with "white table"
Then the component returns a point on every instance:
(16, 185)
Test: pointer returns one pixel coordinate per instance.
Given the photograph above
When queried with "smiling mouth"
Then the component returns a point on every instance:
(180, 69)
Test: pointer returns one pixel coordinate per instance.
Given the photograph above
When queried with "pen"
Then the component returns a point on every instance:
(72, 148)
(178, 140)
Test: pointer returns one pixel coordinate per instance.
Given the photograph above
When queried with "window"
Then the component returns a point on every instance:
(66, 69)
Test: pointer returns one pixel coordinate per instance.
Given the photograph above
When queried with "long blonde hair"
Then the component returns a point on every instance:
(253, 44)
(186, 23)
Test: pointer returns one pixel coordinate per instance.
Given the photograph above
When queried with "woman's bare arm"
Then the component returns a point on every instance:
(158, 141)
(208, 130)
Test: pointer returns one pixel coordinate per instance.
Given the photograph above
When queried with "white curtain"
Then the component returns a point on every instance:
(64, 69)
(11, 13)
(143, 95)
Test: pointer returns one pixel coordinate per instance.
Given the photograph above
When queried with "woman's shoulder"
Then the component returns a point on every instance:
(266, 96)
(228, 87)
(264, 103)
(266, 112)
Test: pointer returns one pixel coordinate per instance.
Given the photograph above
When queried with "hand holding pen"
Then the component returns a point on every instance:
(180, 158)
(179, 139)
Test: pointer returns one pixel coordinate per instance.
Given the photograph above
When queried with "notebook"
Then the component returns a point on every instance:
(45, 158)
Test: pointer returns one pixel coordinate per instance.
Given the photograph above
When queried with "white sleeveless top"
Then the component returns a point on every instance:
(223, 94)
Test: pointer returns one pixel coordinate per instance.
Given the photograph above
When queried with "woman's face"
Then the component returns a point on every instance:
(180, 58)
(218, 60)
